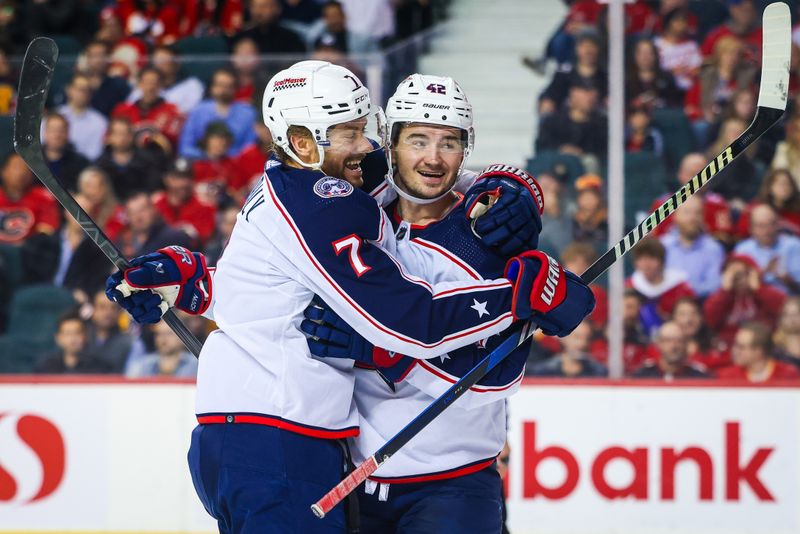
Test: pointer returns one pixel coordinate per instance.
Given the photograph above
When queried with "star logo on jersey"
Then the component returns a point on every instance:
(479, 307)
(444, 357)
(329, 187)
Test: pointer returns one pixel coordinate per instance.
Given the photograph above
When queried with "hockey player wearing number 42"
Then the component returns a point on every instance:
(266, 445)
(444, 481)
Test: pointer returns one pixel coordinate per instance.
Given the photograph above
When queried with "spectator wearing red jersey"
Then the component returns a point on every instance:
(779, 190)
(640, 134)
(787, 335)
(212, 17)
(25, 209)
(155, 21)
(249, 71)
(716, 213)
(577, 258)
(688, 314)
(185, 92)
(743, 23)
(217, 175)
(660, 287)
(63, 160)
(679, 54)
(156, 121)
(672, 361)
(250, 161)
(753, 358)
(145, 231)
(181, 208)
(743, 297)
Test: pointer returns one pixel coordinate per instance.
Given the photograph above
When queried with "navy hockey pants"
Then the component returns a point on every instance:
(256, 479)
(468, 504)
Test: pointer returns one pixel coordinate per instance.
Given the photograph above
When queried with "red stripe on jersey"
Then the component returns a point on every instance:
(477, 389)
(457, 472)
(277, 422)
(446, 253)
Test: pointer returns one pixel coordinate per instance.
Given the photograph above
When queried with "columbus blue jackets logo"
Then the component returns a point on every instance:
(330, 187)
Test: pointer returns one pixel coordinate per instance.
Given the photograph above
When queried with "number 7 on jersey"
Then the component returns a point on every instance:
(352, 242)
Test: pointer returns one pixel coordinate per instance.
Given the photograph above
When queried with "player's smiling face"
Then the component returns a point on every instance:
(348, 146)
(428, 158)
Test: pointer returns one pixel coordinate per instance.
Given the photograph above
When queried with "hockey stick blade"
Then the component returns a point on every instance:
(776, 55)
(34, 83)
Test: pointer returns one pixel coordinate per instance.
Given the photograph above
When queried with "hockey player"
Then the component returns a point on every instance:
(270, 413)
(444, 481)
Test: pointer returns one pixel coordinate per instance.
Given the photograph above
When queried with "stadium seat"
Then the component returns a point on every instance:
(645, 179)
(201, 56)
(678, 136)
(19, 354)
(34, 312)
(566, 167)
(67, 45)
(6, 136)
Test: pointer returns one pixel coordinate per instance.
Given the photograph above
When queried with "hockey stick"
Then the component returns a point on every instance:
(34, 82)
(771, 105)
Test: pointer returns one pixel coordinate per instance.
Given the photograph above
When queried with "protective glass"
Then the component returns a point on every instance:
(363, 135)
(442, 141)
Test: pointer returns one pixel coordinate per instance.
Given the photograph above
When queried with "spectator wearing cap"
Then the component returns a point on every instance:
(146, 231)
(586, 72)
(169, 359)
(130, 167)
(679, 54)
(181, 208)
(743, 296)
(573, 129)
(185, 92)
(265, 29)
(779, 190)
(333, 32)
(777, 254)
(659, 286)
(640, 134)
(237, 116)
(691, 250)
(574, 360)
(646, 82)
(87, 126)
(63, 160)
(158, 121)
(25, 209)
(107, 90)
(743, 23)
(753, 359)
(672, 362)
(590, 219)
(70, 357)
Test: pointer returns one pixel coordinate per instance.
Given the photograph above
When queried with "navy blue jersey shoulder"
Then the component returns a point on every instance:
(374, 168)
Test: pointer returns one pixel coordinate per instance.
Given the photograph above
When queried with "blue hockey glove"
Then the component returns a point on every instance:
(172, 276)
(331, 337)
(505, 205)
(556, 299)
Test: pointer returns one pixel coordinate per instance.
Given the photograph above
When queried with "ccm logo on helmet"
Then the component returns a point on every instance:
(553, 274)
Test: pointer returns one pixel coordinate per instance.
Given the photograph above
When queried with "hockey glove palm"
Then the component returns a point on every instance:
(556, 299)
(172, 276)
(331, 337)
(505, 206)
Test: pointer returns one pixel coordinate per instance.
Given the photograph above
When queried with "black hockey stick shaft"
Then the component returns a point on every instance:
(771, 106)
(34, 83)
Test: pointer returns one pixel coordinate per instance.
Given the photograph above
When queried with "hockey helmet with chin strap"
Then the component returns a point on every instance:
(428, 100)
(318, 95)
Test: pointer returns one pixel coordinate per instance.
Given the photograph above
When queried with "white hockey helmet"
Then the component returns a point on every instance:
(425, 99)
(318, 95)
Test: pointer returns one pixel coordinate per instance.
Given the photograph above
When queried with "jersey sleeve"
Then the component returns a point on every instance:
(342, 245)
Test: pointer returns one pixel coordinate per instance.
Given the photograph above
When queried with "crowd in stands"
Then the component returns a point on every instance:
(153, 124)
(714, 292)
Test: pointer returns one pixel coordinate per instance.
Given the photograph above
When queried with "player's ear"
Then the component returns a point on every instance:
(304, 146)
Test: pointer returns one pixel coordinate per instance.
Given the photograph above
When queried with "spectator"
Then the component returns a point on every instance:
(660, 287)
(180, 208)
(303, 12)
(54, 17)
(646, 83)
(217, 174)
(25, 209)
(640, 135)
(688, 314)
(145, 231)
(154, 22)
(753, 359)
(184, 92)
(226, 218)
(743, 23)
(374, 18)
(170, 358)
(211, 18)
(718, 81)
(237, 116)
(787, 153)
(573, 130)
(777, 255)
(787, 335)
(158, 121)
(8, 83)
(107, 90)
(716, 213)
(574, 360)
(87, 126)
(251, 160)
(71, 356)
(556, 219)
(679, 54)
(586, 72)
(249, 72)
(779, 191)
(334, 32)
(577, 258)
(635, 340)
(13, 32)
(590, 220)
(691, 250)
(742, 297)
(673, 357)
(740, 184)
(264, 28)
(129, 167)
(62, 159)
(106, 341)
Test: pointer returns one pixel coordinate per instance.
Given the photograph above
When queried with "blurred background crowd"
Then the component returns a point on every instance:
(154, 124)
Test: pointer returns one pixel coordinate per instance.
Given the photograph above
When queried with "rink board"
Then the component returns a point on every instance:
(108, 455)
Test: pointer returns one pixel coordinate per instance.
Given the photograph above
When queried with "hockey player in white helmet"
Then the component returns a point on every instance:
(444, 480)
(270, 414)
